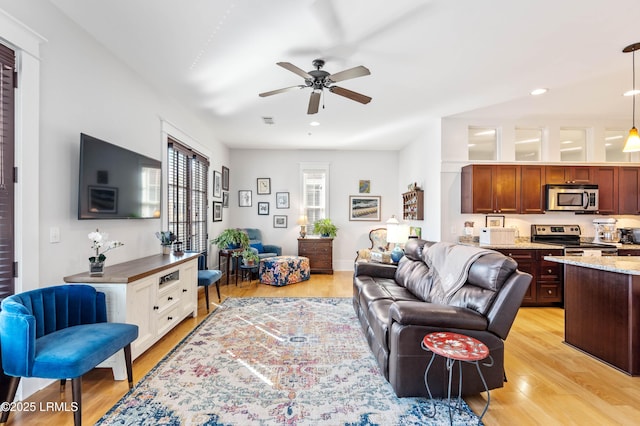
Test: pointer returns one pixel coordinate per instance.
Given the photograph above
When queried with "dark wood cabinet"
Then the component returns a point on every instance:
(320, 253)
(491, 188)
(569, 174)
(546, 288)
(532, 195)
(629, 252)
(413, 205)
(629, 190)
(606, 177)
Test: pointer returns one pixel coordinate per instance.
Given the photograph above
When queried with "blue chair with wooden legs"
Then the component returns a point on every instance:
(206, 277)
(59, 332)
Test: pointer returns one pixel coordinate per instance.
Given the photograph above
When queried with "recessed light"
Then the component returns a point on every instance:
(314, 123)
(536, 92)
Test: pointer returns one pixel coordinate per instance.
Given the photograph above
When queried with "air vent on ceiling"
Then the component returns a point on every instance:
(268, 120)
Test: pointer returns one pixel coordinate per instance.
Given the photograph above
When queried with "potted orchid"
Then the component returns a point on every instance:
(100, 244)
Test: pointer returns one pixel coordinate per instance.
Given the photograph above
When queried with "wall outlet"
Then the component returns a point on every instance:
(54, 234)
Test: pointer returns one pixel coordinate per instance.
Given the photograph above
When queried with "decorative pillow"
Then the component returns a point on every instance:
(258, 246)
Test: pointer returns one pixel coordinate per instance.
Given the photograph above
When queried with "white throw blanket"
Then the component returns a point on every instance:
(451, 263)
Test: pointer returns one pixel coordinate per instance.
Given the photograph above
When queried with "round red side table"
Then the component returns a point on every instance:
(456, 347)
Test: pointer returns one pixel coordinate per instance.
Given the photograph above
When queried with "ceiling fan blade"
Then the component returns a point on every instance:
(350, 73)
(296, 70)
(354, 96)
(275, 92)
(314, 103)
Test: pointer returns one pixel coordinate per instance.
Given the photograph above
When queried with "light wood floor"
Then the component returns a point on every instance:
(549, 383)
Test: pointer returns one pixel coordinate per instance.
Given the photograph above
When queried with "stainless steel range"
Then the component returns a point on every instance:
(568, 236)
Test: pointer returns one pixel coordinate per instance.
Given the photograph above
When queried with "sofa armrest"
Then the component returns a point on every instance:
(374, 269)
(270, 248)
(434, 315)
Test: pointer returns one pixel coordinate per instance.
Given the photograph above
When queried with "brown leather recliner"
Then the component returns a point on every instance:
(398, 306)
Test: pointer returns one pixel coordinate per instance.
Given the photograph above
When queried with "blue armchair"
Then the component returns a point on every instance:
(59, 332)
(263, 250)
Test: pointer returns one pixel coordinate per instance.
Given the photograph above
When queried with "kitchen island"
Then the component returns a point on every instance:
(602, 308)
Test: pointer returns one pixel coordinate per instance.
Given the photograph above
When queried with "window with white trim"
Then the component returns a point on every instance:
(314, 181)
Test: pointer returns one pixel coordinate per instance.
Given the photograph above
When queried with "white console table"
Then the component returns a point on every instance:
(154, 292)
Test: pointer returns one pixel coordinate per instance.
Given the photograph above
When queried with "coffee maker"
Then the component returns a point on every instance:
(626, 236)
(606, 231)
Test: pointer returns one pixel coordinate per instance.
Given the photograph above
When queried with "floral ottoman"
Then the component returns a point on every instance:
(283, 270)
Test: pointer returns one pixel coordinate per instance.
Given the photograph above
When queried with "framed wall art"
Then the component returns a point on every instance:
(225, 178)
(365, 208)
(494, 221)
(282, 200)
(244, 198)
(217, 211)
(279, 221)
(364, 187)
(225, 199)
(263, 208)
(217, 184)
(264, 186)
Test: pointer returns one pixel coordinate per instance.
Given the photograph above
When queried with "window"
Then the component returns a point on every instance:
(314, 179)
(7, 144)
(527, 144)
(187, 195)
(613, 144)
(483, 143)
(573, 144)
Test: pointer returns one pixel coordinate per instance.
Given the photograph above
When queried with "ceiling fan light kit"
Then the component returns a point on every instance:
(318, 80)
(633, 140)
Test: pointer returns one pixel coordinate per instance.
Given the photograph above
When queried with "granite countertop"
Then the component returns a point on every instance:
(526, 244)
(622, 264)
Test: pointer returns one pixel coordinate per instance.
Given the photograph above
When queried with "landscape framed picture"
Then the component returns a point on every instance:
(365, 208)
(225, 178)
(217, 184)
(494, 221)
(217, 211)
(244, 198)
(263, 208)
(279, 221)
(282, 200)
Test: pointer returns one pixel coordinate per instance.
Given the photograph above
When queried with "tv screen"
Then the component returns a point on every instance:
(116, 183)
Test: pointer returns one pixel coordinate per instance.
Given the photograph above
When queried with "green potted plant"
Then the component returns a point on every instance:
(249, 257)
(231, 238)
(325, 228)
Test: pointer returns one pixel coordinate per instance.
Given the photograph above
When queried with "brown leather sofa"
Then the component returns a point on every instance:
(398, 305)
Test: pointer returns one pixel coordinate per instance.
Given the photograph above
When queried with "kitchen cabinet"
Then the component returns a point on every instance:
(629, 190)
(320, 253)
(413, 205)
(532, 195)
(490, 188)
(547, 282)
(606, 177)
(569, 174)
(629, 252)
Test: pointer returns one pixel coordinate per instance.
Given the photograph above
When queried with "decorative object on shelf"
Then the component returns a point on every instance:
(413, 205)
(325, 228)
(633, 140)
(177, 248)
(263, 208)
(217, 184)
(397, 233)
(231, 238)
(279, 221)
(364, 187)
(282, 200)
(225, 178)
(217, 210)
(365, 208)
(99, 242)
(166, 239)
(264, 186)
(302, 221)
(244, 198)
(413, 187)
(494, 221)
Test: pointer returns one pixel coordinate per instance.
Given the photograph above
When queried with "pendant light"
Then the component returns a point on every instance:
(633, 140)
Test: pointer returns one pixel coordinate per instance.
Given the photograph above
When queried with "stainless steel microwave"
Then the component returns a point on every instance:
(572, 197)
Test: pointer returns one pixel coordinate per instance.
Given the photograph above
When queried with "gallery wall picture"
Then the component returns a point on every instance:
(264, 186)
(282, 200)
(217, 211)
(225, 199)
(244, 198)
(279, 221)
(225, 178)
(217, 184)
(365, 208)
(364, 186)
(263, 208)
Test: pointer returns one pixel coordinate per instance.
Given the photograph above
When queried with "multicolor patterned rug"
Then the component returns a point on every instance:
(274, 361)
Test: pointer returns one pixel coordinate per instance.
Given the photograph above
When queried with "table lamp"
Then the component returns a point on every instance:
(397, 233)
(302, 221)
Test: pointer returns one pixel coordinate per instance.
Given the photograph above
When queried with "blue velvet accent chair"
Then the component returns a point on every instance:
(259, 247)
(59, 332)
(206, 277)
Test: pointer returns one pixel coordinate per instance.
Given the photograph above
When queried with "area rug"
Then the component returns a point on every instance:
(274, 361)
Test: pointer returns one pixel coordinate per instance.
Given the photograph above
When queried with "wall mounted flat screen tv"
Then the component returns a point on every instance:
(116, 183)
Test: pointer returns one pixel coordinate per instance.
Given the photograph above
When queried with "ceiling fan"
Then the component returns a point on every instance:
(319, 80)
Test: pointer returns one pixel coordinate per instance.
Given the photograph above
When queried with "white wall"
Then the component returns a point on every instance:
(347, 168)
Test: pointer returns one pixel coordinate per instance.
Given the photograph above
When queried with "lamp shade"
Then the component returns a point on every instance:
(633, 141)
(392, 230)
